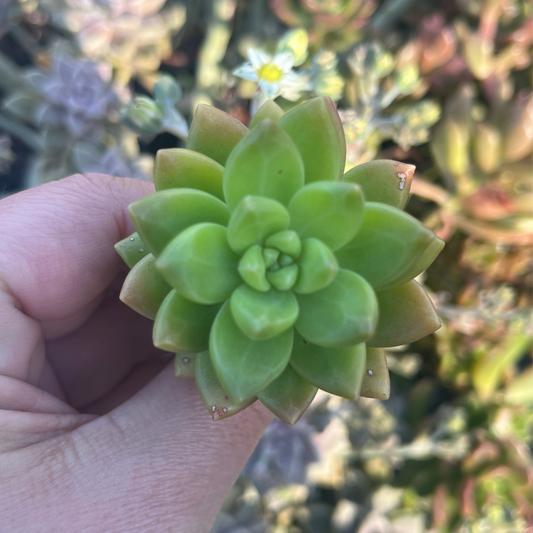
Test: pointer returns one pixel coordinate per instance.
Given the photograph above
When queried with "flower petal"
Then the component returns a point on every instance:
(245, 367)
(265, 163)
(390, 246)
(257, 57)
(288, 396)
(215, 398)
(214, 133)
(263, 315)
(179, 168)
(406, 314)
(200, 265)
(316, 130)
(329, 211)
(183, 326)
(246, 71)
(335, 370)
(343, 314)
(161, 216)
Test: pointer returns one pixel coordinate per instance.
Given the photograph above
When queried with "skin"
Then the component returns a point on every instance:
(96, 433)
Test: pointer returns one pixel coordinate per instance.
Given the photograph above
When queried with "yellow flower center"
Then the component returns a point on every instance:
(269, 72)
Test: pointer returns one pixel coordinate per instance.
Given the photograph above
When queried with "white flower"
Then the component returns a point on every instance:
(273, 74)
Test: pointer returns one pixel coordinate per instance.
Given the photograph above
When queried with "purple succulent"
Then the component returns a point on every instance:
(79, 96)
(282, 455)
(112, 162)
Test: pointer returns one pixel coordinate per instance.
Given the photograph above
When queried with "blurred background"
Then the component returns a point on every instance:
(101, 85)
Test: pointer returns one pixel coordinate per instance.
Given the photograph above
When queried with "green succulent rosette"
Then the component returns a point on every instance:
(268, 271)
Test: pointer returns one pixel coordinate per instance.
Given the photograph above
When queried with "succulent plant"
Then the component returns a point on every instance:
(268, 271)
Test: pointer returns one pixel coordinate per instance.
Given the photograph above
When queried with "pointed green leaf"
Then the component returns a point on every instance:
(161, 216)
(519, 391)
(376, 380)
(268, 111)
(331, 212)
(343, 314)
(489, 369)
(270, 256)
(263, 315)
(384, 181)
(176, 168)
(316, 129)
(390, 245)
(288, 396)
(287, 242)
(406, 314)
(253, 270)
(253, 220)
(200, 265)
(285, 260)
(284, 278)
(184, 365)
(214, 133)
(183, 326)
(265, 163)
(131, 249)
(144, 288)
(215, 398)
(318, 267)
(422, 263)
(335, 370)
(245, 367)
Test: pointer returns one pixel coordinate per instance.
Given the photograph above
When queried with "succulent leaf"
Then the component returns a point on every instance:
(288, 396)
(331, 212)
(183, 326)
(265, 163)
(389, 245)
(214, 133)
(287, 242)
(406, 314)
(252, 268)
(335, 370)
(254, 219)
(245, 367)
(343, 314)
(318, 267)
(184, 365)
(131, 249)
(322, 128)
(144, 288)
(268, 111)
(284, 278)
(215, 398)
(162, 216)
(384, 180)
(270, 256)
(376, 380)
(176, 168)
(200, 265)
(263, 315)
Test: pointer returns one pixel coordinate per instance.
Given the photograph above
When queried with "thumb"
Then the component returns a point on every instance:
(156, 463)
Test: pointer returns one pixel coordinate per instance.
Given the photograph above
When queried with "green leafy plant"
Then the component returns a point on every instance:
(269, 272)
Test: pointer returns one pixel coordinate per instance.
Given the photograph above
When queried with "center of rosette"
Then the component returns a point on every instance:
(273, 263)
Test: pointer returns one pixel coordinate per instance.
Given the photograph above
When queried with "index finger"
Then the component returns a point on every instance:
(57, 256)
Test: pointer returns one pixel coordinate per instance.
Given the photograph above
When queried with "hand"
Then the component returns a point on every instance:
(96, 433)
